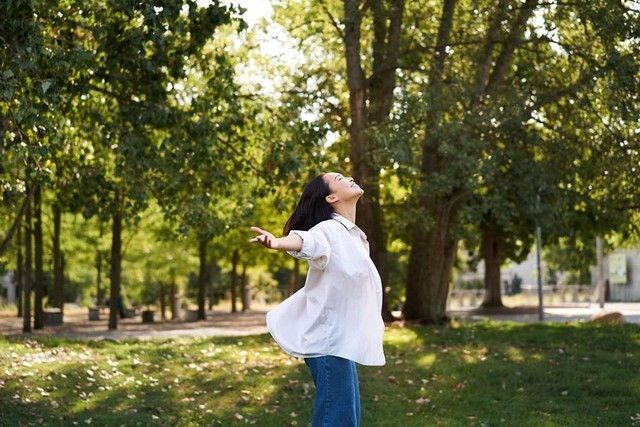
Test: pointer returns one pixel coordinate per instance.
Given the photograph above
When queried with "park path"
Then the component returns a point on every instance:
(77, 325)
(223, 323)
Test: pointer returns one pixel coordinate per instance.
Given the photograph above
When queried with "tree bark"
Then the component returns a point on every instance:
(430, 262)
(163, 301)
(505, 58)
(58, 273)
(174, 296)
(370, 102)
(434, 247)
(116, 265)
(19, 274)
(99, 291)
(28, 272)
(16, 222)
(246, 292)
(492, 260)
(210, 284)
(202, 278)
(38, 312)
(234, 279)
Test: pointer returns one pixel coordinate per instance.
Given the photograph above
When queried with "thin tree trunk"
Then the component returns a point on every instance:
(492, 260)
(174, 296)
(210, 284)
(20, 274)
(16, 222)
(163, 302)
(28, 272)
(202, 278)
(38, 312)
(99, 291)
(116, 266)
(58, 272)
(234, 279)
(246, 292)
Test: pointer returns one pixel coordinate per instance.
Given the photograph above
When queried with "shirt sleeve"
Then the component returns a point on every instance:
(315, 247)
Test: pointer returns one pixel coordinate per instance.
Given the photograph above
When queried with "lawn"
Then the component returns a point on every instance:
(466, 374)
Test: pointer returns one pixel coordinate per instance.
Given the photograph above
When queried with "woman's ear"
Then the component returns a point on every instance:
(331, 198)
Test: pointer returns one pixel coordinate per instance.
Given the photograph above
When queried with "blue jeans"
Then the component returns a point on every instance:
(337, 398)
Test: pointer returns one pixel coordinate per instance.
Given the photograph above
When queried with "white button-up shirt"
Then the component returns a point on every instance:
(338, 311)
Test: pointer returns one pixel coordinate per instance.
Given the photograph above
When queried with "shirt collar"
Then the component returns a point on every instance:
(350, 227)
(344, 221)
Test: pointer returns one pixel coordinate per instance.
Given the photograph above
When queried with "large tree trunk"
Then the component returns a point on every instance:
(116, 267)
(370, 102)
(38, 312)
(58, 273)
(433, 247)
(430, 262)
(492, 260)
(202, 278)
(28, 271)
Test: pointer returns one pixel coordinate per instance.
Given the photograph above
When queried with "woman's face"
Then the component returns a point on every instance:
(343, 187)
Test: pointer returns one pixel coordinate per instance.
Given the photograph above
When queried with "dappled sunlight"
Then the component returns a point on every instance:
(473, 355)
(458, 375)
(515, 354)
(191, 379)
(398, 335)
(426, 361)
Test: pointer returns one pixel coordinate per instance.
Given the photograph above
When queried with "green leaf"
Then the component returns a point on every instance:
(46, 85)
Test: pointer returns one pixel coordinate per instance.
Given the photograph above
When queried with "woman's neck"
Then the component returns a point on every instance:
(346, 211)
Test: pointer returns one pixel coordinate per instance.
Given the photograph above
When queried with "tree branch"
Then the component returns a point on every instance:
(334, 22)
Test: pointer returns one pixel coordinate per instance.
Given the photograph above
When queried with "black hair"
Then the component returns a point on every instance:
(312, 208)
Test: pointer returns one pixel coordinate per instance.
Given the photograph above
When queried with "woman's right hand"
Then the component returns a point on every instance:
(265, 238)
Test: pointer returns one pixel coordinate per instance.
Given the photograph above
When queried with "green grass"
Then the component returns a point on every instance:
(467, 374)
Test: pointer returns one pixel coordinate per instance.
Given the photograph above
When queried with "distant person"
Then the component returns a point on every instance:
(122, 311)
(335, 321)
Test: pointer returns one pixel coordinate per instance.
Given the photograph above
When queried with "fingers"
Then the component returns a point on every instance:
(257, 230)
(264, 237)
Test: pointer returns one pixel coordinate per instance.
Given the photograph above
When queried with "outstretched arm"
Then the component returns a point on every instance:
(292, 242)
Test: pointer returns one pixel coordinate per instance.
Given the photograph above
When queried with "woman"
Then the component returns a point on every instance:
(335, 321)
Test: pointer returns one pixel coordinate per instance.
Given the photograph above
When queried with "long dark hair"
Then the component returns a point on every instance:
(312, 208)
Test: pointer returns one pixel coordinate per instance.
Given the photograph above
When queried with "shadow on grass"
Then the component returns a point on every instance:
(481, 374)
(492, 373)
(192, 382)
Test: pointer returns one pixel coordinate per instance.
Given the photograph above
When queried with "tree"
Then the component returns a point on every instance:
(138, 65)
(370, 101)
(515, 64)
(357, 107)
